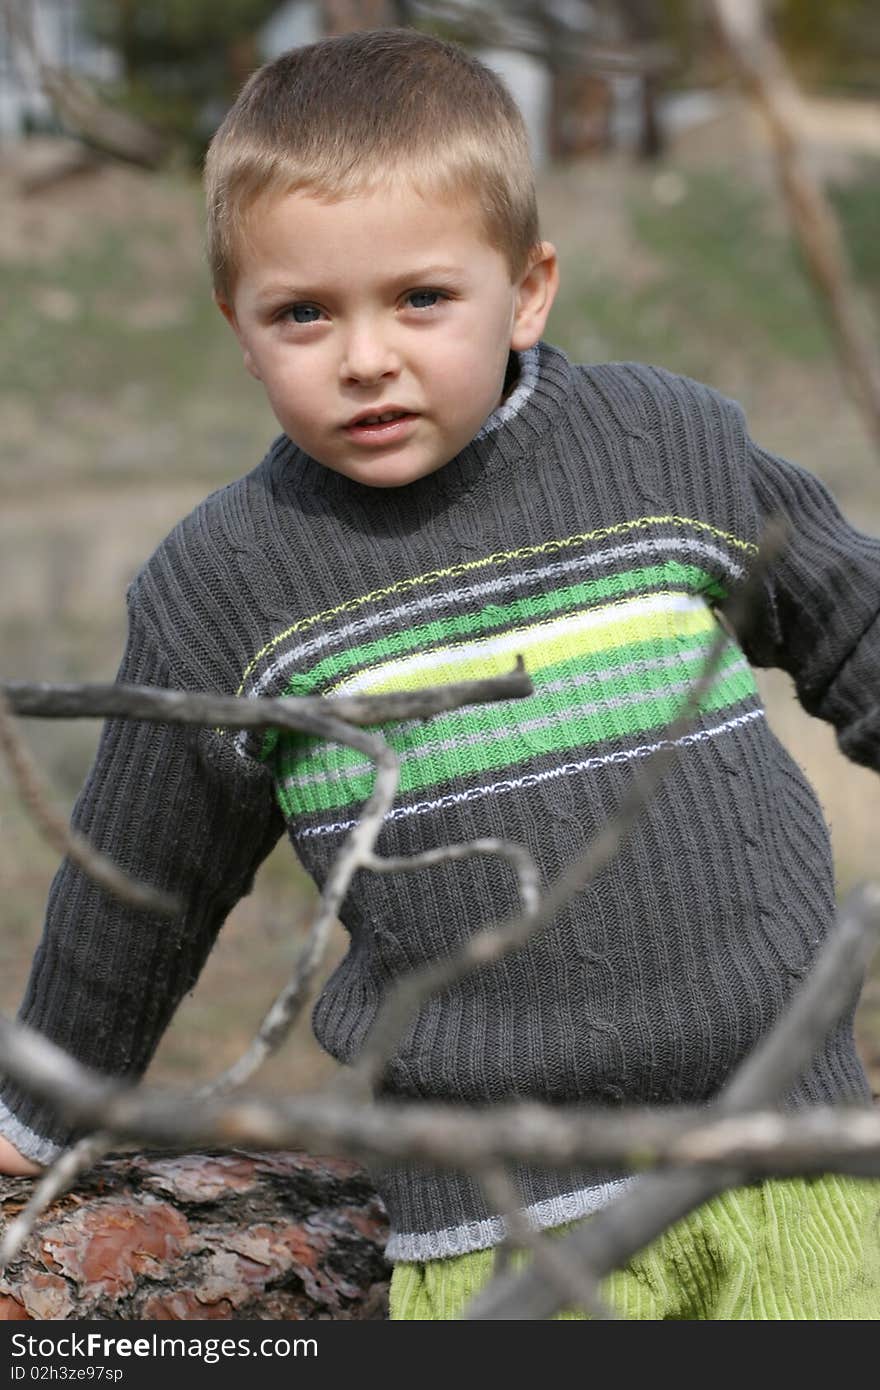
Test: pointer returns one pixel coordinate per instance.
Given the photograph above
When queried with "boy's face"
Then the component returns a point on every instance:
(379, 302)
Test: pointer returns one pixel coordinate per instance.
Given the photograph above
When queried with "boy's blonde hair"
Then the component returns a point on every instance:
(364, 110)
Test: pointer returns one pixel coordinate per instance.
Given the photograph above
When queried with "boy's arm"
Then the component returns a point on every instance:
(15, 1163)
(175, 807)
(820, 614)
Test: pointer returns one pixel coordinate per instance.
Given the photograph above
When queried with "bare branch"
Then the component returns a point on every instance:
(106, 127)
(358, 845)
(575, 1284)
(313, 716)
(358, 852)
(721, 1145)
(832, 984)
(332, 719)
(761, 1141)
(62, 1175)
(66, 841)
(298, 713)
(469, 1136)
(491, 943)
(761, 67)
(616, 1232)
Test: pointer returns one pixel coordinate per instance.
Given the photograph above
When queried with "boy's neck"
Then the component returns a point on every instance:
(511, 376)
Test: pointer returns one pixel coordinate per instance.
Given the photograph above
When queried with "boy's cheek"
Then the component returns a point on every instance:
(228, 313)
(251, 365)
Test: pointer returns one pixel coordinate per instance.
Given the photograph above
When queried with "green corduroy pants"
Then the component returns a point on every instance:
(791, 1248)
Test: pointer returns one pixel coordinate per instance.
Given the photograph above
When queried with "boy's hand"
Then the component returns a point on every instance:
(15, 1164)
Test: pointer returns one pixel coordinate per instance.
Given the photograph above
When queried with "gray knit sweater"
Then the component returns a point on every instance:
(595, 522)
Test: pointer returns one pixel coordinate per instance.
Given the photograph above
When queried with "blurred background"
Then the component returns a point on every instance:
(123, 401)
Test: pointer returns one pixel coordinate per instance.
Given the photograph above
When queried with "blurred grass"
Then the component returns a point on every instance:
(857, 203)
(718, 274)
(124, 402)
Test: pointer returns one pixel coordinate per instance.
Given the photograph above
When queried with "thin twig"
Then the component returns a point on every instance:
(500, 938)
(614, 1234)
(761, 67)
(56, 1180)
(761, 1142)
(330, 719)
(67, 841)
(297, 713)
(313, 715)
(472, 1137)
(289, 1003)
(358, 849)
(574, 1283)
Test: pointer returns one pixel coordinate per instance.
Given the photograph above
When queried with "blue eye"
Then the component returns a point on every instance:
(434, 294)
(294, 309)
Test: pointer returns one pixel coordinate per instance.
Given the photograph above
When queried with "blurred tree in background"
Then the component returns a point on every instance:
(182, 60)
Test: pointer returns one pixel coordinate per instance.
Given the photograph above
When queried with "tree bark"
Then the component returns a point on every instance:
(184, 1237)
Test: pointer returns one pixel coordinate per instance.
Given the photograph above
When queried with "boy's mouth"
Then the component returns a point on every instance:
(380, 427)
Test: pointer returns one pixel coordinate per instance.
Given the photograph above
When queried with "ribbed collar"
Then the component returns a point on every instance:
(543, 386)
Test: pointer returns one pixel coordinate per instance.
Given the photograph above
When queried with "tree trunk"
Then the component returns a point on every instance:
(196, 1236)
(652, 138)
(580, 114)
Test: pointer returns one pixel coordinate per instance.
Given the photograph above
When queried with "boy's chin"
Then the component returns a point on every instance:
(386, 473)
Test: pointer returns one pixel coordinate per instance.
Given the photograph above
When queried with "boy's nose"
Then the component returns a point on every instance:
(368, 356)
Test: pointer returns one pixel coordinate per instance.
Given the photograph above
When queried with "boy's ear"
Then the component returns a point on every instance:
(535, 296)
(228, 313)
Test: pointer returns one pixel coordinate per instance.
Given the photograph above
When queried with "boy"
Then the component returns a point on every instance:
(374, 245)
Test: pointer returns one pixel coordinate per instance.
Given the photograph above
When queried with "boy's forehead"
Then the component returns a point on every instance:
(301, 220)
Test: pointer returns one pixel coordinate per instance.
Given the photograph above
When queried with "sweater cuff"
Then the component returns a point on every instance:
(852, 700)
(30, 1144)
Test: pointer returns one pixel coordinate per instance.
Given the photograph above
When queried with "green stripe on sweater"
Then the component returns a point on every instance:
(604, 686)
(508, 750)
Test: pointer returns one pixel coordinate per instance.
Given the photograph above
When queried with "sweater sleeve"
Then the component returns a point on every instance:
(176, 807)
(819, 617)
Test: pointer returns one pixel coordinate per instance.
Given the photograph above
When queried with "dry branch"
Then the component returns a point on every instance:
(705, 1149)
(311, 715)
(110, 130)
(762, 1141)
(38, 700)
(64, 840)
(575, 1284)
(490, 943)
(762, 69)
(656, 1202)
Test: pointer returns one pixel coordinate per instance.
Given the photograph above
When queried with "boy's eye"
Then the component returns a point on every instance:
(305, 313)
(294, 310)
(432, 294)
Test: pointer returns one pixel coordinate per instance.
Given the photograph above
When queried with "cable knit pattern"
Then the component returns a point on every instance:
(595, 524)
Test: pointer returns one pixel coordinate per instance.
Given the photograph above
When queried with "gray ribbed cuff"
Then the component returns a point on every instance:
(479, 1235)
(28, 1143)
